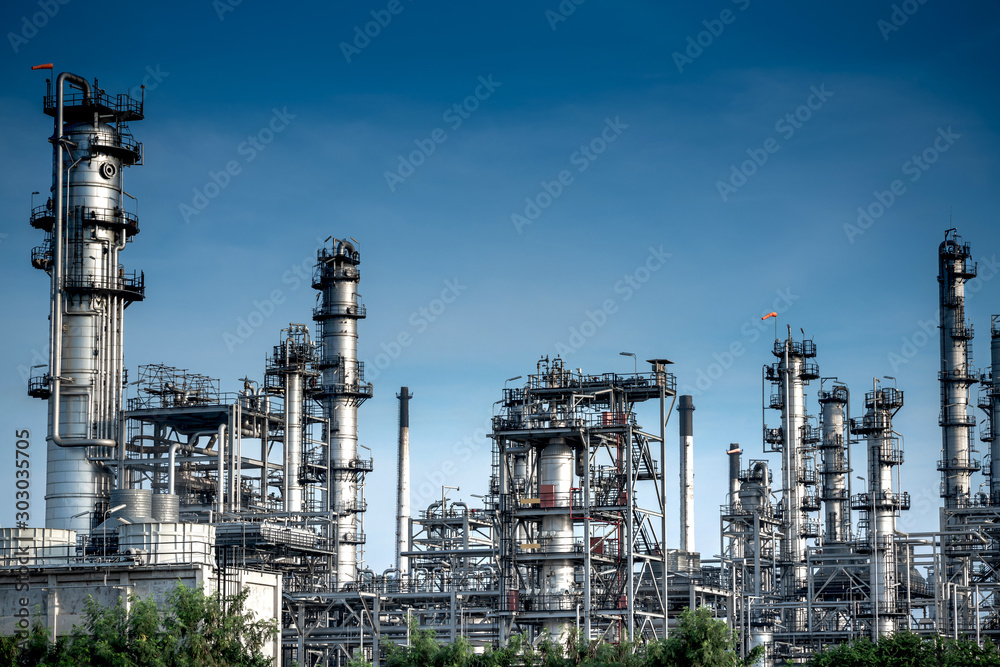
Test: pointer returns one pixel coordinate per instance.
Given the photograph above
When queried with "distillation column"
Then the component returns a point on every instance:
(685, 409)
(796, 442)
(957, 463)
(556, 463)
(881, 504)
(734, 472)
(556, 482)
(342, 390)
(288, 369)
(836, 509)
(403, 483)
(86, 227)
(990, 403)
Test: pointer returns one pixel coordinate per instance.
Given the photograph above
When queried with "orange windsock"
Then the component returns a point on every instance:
(771, 314)
(45, 66)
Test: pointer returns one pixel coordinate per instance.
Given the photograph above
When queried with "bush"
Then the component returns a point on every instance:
(905, 649)
(193, 629)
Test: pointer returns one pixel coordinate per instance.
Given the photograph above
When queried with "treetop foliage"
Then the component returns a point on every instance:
(192, 630)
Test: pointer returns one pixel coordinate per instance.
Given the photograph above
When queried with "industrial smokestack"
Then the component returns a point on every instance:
(685, 409)
(403, 482)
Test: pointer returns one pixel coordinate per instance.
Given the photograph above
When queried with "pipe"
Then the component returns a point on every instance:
(686, 410)
(172, 453)
(220, 494)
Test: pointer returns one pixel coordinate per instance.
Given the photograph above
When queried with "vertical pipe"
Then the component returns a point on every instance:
(662, 381)
(587, 512)
(685, 410)
(220, 443)
(403, 482)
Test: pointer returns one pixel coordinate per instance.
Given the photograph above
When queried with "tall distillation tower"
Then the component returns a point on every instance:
(879, 508)
(342, 390)
(796, 440)
(290, 374)
(86, 226)
(957, 463)
(835, 465)
(989, 401)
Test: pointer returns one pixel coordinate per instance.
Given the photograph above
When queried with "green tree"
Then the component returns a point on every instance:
(192, 629)
(906, 649)
(699, 641)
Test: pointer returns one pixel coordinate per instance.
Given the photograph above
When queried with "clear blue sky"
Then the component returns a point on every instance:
(673, 128)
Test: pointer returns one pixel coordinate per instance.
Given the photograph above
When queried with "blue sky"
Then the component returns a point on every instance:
(680, 125)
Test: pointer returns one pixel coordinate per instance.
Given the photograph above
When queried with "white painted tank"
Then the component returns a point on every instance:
(42, 546)
(168, 543)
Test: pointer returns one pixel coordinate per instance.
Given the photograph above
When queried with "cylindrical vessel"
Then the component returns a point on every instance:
(734, 472)
(343, 389)
(555, 483)
(166, 507)
(138, 503)
(87, 226)
(293, 442)
(955, 377)
(836, 510)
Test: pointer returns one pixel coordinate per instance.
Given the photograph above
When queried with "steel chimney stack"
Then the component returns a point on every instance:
(403, 482)
(685, 410)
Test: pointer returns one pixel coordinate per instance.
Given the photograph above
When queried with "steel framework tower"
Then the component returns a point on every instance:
(569, 459)
(87, 226)
(342, 390)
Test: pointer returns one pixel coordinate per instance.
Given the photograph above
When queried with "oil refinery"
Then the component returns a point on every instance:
(263, 488)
